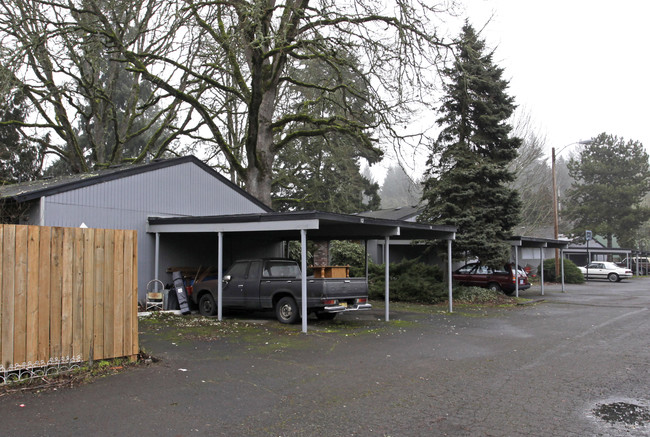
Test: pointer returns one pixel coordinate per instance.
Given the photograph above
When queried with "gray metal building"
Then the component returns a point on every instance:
(124, 197)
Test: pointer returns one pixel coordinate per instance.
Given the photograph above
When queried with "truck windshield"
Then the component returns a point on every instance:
(281, 269)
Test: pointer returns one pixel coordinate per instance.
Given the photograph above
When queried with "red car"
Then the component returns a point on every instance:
(479, 275)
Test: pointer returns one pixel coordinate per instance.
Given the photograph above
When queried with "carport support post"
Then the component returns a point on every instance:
(516, 271)
(562, 267)
(303, 266)
(365, 257)
(220, 276)
(387, 275)
(156, 260)
(450, 277)
(541, 263)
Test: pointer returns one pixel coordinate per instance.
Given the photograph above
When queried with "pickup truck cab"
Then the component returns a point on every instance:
(276, 284)
(479, 275)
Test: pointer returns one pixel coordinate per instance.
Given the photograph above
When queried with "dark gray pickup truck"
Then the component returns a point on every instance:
(275, 284)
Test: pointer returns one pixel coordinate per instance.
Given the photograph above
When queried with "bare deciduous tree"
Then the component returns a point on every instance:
(227, 62)
(78, 87)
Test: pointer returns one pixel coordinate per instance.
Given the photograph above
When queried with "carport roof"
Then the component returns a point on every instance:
(320, 225)
(538, 242)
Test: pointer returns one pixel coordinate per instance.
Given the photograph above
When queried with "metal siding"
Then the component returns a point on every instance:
(125, 203)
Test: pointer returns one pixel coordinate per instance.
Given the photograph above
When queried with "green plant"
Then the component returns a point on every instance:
(348, 253)
(476, 294)
(410, 281)
(572, 274)
(294, 250)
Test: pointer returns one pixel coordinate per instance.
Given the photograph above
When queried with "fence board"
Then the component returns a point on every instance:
(128, 280)
(109, 253)
(88, 295)
(98, 317)
(55, 291)
(44, 294)
(135, 347)
(77, 294)
(8, 255)
(33, 270)
(67, 265)
(20, 295)
(118, 298)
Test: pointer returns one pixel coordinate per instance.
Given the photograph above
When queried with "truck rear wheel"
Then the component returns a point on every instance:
(286, 310)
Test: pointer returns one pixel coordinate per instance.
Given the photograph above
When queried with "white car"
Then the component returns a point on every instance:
(605, 270)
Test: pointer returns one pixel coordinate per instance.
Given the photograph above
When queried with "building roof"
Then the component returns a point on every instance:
(400, 213)
(27, 191)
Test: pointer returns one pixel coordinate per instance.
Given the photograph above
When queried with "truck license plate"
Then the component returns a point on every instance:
(344, 304)
(521, 282)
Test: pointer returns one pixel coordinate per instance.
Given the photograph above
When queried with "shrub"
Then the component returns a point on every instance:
(348, 253)
(410, 281)
(477, 294)
(572, 274)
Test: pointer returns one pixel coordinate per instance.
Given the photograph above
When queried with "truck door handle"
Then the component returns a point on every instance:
(240, 286)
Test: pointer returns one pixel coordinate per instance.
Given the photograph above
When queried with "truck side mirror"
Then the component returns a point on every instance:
(227, 279)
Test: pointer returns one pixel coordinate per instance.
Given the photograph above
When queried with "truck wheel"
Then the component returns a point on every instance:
(286, 310)
(613, 277)
(206, 305)
(322, 315)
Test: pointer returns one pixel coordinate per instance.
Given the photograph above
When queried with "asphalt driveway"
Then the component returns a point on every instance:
(554, 367)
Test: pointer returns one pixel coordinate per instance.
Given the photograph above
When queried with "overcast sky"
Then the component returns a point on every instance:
(577, 67)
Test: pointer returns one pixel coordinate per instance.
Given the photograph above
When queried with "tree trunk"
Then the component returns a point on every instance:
(260, 168)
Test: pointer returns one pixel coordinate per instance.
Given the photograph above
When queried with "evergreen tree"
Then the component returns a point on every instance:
(323, 172)
(467, 180)
(399, 189)
(20, 158)
(611, 179)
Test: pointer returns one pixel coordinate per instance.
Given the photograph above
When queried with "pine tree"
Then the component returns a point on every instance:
(323, 172)
(611, 179)
(467, 181)
(21, 158)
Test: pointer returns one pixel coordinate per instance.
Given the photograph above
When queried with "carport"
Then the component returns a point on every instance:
(314, 224)
(542, 243)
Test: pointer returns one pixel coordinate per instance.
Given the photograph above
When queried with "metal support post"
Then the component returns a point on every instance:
(387, 275)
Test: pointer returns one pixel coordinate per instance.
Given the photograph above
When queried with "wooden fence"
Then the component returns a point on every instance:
(67, 292)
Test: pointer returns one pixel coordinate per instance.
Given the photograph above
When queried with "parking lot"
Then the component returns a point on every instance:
(570, 364)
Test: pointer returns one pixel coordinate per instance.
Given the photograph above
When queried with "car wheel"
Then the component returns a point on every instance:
(206, 305)
(494, 286)
(286, 310)
(321, 315)
(613, 277)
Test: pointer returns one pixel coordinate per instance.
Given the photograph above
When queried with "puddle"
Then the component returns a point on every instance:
(625, 413)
